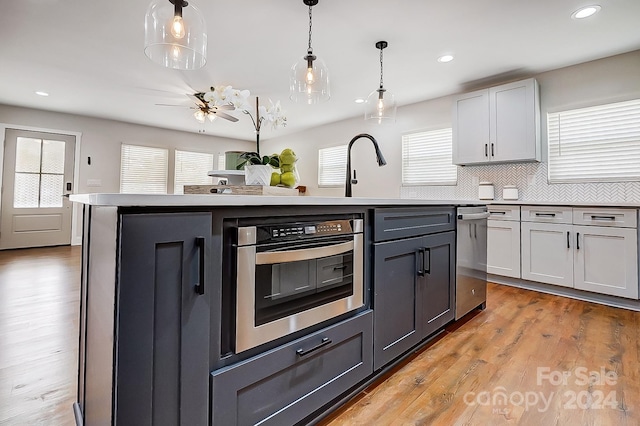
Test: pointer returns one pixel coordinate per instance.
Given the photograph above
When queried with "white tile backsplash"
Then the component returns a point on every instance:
(520, 174)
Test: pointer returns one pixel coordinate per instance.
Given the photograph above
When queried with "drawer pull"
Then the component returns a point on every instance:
(497, 212)
(546, 214)
(324, 342)
(603, 217)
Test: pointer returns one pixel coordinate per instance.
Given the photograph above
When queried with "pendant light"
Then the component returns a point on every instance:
(381, 104)
(175, 35)
(309, 79)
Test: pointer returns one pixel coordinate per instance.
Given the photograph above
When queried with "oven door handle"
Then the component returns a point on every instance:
(270, 258)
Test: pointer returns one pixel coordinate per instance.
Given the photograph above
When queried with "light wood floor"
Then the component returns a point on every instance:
(39, 303)
(526, 346)
(556, 361)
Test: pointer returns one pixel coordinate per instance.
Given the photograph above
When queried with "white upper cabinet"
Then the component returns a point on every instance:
(498, 124)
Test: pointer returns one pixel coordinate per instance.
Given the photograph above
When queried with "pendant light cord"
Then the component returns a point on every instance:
(381, 68)
(310, 50)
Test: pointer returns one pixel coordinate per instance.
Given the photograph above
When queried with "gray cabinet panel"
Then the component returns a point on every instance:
(282, 387)
(395, 287)
(395, 223)
(163, 323)
(437, 295)
(414, 279)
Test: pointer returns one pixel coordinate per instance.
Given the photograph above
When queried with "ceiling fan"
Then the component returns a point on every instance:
(204, 109)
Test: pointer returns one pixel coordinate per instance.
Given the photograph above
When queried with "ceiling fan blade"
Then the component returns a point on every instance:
(225, 116)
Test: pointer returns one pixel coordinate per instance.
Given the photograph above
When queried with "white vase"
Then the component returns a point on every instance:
(257, 174)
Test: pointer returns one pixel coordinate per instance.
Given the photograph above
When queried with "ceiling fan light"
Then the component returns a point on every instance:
(171, 45)
(199, 115)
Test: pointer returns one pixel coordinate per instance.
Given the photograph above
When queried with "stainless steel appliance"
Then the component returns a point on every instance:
(294, 275)
(471, 259)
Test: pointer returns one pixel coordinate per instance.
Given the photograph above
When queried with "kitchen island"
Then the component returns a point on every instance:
(161, 320)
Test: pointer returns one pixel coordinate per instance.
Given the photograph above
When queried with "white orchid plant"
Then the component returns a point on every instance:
(220, 96)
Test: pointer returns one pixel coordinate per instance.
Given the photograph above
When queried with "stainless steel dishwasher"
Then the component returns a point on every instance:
(471, 259)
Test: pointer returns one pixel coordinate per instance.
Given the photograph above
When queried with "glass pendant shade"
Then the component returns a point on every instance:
(309, 85)
(178, 42)
(381, 107)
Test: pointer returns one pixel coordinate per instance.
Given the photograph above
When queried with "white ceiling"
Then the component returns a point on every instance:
(88, 54)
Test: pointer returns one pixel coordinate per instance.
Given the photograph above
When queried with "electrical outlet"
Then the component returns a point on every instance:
(531, 180)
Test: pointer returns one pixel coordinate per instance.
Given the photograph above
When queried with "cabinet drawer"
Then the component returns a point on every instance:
(548, 214)
(499, 212)
(394, 223)
(283, 386)
(622, 218)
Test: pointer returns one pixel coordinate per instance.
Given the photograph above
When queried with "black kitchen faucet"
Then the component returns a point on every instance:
(380, 157)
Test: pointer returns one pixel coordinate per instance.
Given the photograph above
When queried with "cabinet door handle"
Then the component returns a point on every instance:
(568, 240)
(426, 262)
(324, 342)
(603, 217)
(492, 150)
(486, 153)
(577, 241)
(475, 232)
(545, 214)
(200, 243)
(420, 254)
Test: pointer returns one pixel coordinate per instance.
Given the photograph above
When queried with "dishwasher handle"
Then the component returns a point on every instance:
(473, 216)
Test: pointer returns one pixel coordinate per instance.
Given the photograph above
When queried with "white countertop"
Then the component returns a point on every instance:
(560, 203)
(143, 200)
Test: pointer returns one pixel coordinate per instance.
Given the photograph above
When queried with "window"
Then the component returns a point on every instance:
(143, 170)
(192, 168)
(596, 144)
(332, 166)
(39, 173)
(427, 158)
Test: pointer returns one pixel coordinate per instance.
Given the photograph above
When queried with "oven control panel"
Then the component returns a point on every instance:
(308, 230)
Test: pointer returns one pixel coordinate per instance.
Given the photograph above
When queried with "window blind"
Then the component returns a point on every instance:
(192, 169)
(595, 144)
(143, 170)
(427, 158)
(332, 166)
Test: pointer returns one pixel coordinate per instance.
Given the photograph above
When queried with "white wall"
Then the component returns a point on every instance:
(606, 80)
(101, 140)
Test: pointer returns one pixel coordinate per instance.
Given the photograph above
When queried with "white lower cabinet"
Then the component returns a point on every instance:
(503, 248)
(606, 260)
(601, 259)
(547, 253)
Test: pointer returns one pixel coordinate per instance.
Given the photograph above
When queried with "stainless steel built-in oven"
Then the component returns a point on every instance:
(290, 276)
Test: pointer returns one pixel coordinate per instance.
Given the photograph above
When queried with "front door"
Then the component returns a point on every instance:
(37, 173)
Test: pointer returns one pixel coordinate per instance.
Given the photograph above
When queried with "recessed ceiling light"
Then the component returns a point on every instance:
(585, 12)
(445, 58)
(359, 101)
(40, 93)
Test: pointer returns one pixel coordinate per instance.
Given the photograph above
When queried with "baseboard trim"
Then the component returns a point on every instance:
(603, 299)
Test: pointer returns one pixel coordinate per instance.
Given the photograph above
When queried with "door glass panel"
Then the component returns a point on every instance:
(51, 190)
(25, 191)
(28, 155)
(52, 157)
(39, 178)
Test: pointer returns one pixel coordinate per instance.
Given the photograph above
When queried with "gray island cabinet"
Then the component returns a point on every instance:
(157, 315)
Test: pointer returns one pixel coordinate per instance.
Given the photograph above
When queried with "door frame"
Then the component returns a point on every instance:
(76, 228)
